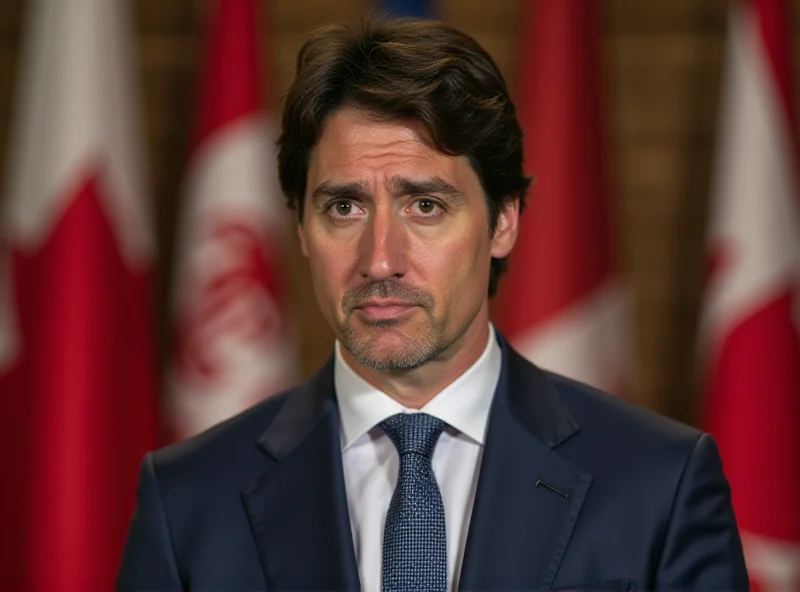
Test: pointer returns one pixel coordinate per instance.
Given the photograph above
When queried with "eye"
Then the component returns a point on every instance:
(426, 207)
(343, 209)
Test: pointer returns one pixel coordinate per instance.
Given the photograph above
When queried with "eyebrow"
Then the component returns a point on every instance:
(435, 185)
(327, 189)
(397, 186)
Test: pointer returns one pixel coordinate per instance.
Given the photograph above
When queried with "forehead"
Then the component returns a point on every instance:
(355, 142)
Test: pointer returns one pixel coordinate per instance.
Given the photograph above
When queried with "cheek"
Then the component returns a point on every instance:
(329, 264)
(458, 267)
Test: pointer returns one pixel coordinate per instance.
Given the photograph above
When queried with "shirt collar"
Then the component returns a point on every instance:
(464, 404)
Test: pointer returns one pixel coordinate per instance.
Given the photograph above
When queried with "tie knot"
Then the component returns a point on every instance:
(413, 432)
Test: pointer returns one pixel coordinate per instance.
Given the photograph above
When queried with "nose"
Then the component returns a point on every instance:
(383, 246)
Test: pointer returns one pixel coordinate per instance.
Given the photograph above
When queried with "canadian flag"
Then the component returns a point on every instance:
(234, 344)
(77, 375)
(750, 332)
(561, 304)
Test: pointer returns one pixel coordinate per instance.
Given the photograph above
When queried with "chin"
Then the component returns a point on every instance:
(388, 360)
(389, 347)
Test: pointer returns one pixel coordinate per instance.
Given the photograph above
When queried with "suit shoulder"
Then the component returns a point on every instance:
(626, 447)
(229, 454)
(622, 423)
(230, 441)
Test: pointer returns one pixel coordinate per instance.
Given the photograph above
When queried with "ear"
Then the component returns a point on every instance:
(301, 233)
(505, 233)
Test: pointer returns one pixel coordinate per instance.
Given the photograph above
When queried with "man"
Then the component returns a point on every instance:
(427, 454)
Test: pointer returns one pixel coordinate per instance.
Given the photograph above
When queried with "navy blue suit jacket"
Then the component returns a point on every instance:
(576, 490)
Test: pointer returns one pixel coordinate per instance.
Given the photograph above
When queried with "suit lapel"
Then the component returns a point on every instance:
(298, 508)
(528, 497)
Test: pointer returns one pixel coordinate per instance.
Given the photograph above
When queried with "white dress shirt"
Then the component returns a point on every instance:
(371, 461)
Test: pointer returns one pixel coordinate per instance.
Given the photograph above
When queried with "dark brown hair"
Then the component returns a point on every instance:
(416, 69)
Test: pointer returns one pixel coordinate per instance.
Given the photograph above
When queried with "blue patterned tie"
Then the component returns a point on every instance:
(414, 539)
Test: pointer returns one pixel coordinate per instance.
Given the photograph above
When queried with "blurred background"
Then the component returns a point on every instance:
(662, 64)
(632, 92)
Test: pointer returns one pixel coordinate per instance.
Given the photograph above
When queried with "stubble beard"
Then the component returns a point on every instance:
(359, 336)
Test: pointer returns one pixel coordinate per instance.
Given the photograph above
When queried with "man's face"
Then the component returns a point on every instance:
(397, 236)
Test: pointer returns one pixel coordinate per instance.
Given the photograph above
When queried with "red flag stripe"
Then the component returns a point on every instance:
(751, 319)
(81, 399)
(564, 248)
(79, 390)
(230, 86)
(561, 298)
(760, 357)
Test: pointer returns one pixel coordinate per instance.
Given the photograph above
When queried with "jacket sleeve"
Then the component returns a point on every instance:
(702, 549)
(148, 562)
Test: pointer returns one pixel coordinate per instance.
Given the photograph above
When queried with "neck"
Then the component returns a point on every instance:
(415, 387)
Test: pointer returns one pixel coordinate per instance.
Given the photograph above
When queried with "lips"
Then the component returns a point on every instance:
(385, 309)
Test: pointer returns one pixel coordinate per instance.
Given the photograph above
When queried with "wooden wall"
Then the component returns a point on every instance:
(662, 68)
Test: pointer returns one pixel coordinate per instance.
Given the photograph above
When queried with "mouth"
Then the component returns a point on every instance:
(382, 310)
